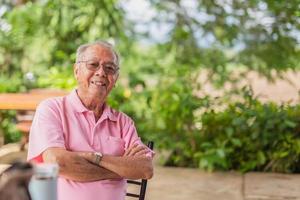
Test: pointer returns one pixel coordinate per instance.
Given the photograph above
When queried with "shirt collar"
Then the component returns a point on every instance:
(80, 108)
(108, 113)
(76, 102)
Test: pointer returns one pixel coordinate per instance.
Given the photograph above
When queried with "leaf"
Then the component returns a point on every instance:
(221, 153)
(261, 158)
(236, 142)
(290, 123)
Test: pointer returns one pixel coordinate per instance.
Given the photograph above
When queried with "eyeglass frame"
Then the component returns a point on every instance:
(99, 65)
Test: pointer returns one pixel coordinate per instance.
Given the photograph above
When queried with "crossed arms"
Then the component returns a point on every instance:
(80, 166)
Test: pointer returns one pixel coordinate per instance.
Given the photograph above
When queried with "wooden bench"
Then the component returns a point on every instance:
(25, 104)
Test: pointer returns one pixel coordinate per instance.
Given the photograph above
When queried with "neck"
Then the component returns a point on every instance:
(94, 104)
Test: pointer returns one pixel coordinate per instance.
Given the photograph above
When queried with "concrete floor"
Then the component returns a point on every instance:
(182, 183)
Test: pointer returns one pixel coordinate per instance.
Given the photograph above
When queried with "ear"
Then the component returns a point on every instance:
(75, 71)
(116, 78)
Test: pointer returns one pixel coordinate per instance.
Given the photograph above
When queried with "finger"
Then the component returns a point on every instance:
(142, 152)
(136, 150)
(128, 151)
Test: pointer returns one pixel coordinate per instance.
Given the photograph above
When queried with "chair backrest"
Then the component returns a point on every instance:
(142, 183)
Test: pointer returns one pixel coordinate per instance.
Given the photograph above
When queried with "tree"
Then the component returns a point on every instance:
(41, 34)
(258, 34)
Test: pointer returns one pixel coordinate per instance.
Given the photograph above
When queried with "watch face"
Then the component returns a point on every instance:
(98, 157)
(98, 154)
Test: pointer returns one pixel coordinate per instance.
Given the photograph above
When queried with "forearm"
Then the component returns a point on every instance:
(74, 167)
(129, 167)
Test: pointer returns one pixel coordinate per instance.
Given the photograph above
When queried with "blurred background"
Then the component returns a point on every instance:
(213, 83)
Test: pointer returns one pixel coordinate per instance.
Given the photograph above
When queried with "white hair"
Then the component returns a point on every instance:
(81, 49)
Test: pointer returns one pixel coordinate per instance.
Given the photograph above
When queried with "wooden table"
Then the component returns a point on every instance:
(3, 167)
(26, 101)
(25, 104)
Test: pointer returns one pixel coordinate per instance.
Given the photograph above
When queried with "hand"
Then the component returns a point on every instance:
(136, 150)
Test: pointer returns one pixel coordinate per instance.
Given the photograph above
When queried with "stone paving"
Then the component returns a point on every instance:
(271, 186)
(182, 183)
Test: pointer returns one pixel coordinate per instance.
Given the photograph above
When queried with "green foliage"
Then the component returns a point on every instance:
(8, 129)
(245, 136)
(12, 84)
(258, 34)
(46, 34)
(56, 78)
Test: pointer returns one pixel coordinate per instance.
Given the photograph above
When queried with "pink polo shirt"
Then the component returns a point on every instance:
(65, 122)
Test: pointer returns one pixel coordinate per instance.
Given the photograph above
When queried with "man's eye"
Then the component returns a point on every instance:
(110, 67)
(94, 65)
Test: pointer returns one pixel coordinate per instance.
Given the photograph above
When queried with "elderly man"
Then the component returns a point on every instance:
(96, 147)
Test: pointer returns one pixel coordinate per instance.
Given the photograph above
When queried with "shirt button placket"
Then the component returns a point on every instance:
(91, 121)
(93, 132)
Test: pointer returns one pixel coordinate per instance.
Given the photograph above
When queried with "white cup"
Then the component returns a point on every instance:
(43, 184)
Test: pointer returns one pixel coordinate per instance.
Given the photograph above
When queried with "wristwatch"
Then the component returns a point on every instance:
(98, 157)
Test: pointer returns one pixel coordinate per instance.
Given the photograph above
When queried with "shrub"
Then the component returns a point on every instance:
(251, 136)
(245, 136)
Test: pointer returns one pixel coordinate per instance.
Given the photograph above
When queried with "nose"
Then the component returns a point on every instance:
(100, 71)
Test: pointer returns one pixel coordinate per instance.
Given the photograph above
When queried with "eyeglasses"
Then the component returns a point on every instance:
(109, 68)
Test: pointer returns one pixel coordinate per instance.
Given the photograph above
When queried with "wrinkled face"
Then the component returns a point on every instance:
(96, 83)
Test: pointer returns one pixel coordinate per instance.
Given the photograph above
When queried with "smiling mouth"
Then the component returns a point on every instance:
(98, 83)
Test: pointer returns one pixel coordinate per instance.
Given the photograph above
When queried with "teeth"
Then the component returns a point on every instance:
(98, 83)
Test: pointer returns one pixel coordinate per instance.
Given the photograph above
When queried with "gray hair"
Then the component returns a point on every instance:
(81, 49)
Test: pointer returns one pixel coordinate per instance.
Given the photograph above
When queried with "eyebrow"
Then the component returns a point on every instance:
(110, 62)
(92, 59)
(97, 60)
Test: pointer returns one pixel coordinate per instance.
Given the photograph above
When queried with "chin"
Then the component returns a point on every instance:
(98, 94)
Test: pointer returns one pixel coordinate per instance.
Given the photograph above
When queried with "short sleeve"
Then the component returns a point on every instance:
(131, 137)
(46, 130)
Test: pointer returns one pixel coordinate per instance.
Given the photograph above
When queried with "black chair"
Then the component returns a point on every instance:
(142, 183)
